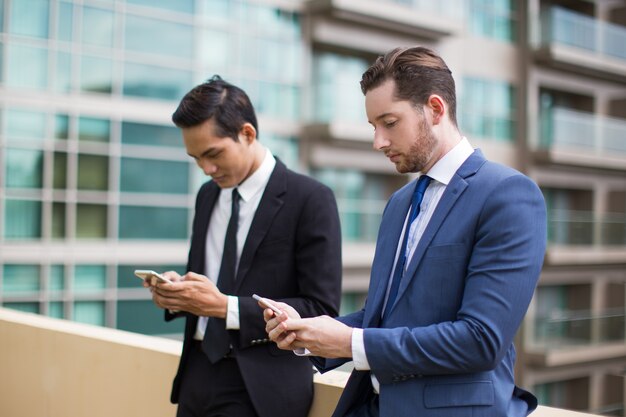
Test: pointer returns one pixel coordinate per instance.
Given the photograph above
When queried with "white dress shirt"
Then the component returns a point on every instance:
(251, 191)
(441, 174)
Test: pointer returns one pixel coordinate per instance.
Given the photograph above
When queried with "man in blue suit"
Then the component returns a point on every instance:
(435, 337)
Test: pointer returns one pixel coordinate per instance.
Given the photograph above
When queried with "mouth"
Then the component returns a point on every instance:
(393, 157)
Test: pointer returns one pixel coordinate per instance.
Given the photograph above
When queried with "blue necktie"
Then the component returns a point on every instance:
(216, 343)
(418, 195)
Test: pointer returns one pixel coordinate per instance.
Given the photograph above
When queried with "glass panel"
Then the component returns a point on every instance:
(284, 148)
(184, 6)
(32, 307)
(58, 220)
(92, 129)
(20, 279)
(97, 27)
(93, 172)
(30, 18)
(24, 168)
(156, 82)
(216, 51)
(1, 22)
(89, 278)
(90, 312)
(25, 125)
(57, 278)
(96, 74)
(63, 78)
(55, 309)
(144, 134)
(158, 37)
(91, 221)
(65, 21)
(22, 219)
(153, 176)
(153, 223)
(59, 176)
(27, 66)
(61, 126)
(222, 10)
(126, 277)
(142, 316)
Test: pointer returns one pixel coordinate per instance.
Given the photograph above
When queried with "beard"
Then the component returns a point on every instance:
(420, 152)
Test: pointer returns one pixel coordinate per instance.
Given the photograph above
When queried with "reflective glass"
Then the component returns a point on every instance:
(285, 148)
(26, 307)
(127, 279)
(222, 10)
(97, 27)
(20, 279)
(92, 129)
(96, 74)
(184, 6)
(61, 126)
(156, 82)
(22, 219)
(144, 134)
(1, 21)
(59, 174)
(91, 221)
(55, 309)
(63, 74)
(57, 278)
(93, 172)
(138, 222)
(65, 21)
(89, 312)
(29, 18)
(24, 168)
(142, 316)
(217, 49)
(154, 176)
(27, 66)
(25, 125)
(58, 221)
(158, 37)
(89, 278)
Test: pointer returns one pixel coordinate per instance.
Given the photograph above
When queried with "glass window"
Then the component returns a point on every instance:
(217, 49)
(89, 312)
(57, 278)
(22, 219)
(495, 19)
(285, 148)
(30, 18)
(55, 309)
(126, 277)
(153, 176)
(27, 66)
(142, 316)
(156, 82)
(93, 172)
(25, 125)
(96, 74)
(63, 74)
(58, 221)
(91, 221)
(24, 168)
(89, 278)
(97, 27)
(144, 134)
(61, 126)
(65, 21)
(59, 175)
(153, 222)
(1, 21)
(158, 37)
(20, 279)
(222, 10)
(184, 6)
(27, 307)
(92, 129)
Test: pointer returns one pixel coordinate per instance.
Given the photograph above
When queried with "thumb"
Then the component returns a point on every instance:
(192, 276)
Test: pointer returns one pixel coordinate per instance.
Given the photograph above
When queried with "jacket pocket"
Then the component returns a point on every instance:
(459, 394)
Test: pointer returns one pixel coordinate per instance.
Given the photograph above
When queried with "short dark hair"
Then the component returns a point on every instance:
(418, 72)
(228, 104)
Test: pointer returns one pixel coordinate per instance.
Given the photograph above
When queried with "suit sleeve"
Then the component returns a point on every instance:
(504, 266)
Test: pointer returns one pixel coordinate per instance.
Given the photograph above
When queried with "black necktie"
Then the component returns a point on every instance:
(216, 343)
(418, 195)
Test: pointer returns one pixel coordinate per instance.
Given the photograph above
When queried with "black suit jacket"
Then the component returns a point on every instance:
(292, 254)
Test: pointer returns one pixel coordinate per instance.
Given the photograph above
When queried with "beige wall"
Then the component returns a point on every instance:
(56, 368)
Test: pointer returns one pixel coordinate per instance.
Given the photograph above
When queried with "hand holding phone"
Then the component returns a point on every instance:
(265, 303)
(146, 274)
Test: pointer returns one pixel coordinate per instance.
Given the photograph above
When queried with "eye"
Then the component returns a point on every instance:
(391, 123)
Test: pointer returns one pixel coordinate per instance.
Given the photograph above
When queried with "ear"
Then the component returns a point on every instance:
(437, 107)
(247, 133)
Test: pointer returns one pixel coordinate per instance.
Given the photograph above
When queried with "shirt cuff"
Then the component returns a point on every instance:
(232, 315)
(358, 351)
(302, 352)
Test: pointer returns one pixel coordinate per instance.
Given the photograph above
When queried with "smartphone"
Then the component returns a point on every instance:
(277, 311)
(148, 274)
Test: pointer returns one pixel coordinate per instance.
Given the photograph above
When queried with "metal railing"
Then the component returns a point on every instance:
(571, 227)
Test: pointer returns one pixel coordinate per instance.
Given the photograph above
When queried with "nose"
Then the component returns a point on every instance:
(207, 167)
(380, 142)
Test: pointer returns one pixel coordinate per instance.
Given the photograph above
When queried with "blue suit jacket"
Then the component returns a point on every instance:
(446, 346)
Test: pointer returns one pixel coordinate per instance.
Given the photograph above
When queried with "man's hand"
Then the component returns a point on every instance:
(193, 293)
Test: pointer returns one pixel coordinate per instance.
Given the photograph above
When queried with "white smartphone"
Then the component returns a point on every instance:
(148, 274)
(265, 303)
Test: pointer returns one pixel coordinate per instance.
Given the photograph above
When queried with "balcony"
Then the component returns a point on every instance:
(579, 43)
(57, 368)
(583, 139)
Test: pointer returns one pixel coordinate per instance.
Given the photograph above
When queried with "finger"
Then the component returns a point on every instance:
(192, 276)
(287, 342)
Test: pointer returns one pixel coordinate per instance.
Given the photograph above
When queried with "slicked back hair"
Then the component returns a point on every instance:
(418, 73)
(216, 99)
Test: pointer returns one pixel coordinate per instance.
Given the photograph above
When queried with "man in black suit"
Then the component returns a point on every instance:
(283, 242)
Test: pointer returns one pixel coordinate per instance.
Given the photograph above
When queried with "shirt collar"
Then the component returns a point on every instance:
(444, 169)
(259, 178)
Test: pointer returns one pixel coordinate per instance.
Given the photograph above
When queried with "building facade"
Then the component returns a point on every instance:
(95, 182)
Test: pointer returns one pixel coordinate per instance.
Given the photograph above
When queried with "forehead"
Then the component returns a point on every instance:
(381, 101)
(204, 135)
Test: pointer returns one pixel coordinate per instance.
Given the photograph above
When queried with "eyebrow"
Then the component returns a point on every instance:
(205, 153)
(382, 116)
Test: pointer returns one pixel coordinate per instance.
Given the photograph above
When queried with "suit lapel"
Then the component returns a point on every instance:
(271, 202)
(201, 227)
